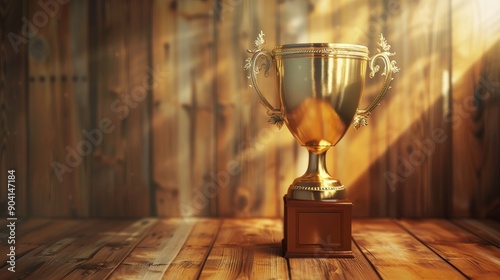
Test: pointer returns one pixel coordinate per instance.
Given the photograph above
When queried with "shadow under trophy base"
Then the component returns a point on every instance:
(320, 86)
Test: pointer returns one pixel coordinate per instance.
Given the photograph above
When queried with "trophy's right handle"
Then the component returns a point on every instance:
(252, 64)
(389, 68)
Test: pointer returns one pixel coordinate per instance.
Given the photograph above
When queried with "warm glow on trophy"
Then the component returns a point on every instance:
(319, 86)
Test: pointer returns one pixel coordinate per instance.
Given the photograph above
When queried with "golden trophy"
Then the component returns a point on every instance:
(319, 86)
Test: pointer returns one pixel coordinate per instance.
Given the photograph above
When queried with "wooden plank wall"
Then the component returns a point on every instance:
(475, 108)
(122, 79)
(13, 99)
(58, 110)
(423, 182)
(134, 108)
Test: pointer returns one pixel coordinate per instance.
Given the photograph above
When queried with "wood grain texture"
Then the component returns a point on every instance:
(98, 257)
(250, 232)
(475, 103)
(175, 248)
(58, 93)
(196, 117)
(78, 19)
(165, 110)
(244, 263)
(32, 230)
(141, 78)
(153, 255)
(396, 254)
(32, 245)
(110, 79)
(321, 268)
(171, 248)
(83, 249)
(246, 249)
(225, 30)
(489, 230)
(13, 101)
(409, 171)
(122, 81)
(263, 177)
(254, 163)
(473, 256)
(191, 258)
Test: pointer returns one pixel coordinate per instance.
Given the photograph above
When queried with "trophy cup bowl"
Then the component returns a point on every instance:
(320, 86)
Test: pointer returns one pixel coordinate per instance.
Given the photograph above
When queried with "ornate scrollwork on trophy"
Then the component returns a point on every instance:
(275, 115)
(389, 68)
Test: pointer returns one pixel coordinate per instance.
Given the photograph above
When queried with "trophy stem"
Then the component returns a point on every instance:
(316, 183)
(317, 165)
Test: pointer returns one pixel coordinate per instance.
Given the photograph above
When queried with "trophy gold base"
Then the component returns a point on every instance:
(317, 229)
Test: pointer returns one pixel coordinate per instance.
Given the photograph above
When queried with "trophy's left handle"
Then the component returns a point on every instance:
(389, 68)
(255, 66)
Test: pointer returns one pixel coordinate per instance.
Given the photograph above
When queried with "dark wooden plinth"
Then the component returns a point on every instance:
(317, 229)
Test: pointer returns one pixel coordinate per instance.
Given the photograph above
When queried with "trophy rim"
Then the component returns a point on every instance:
(335, 45)
(321, 49)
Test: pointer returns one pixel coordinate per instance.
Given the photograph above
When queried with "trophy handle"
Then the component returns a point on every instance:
(389, 68)
(275, 116)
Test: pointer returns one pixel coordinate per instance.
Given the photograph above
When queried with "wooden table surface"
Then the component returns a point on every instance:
(155, 248)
